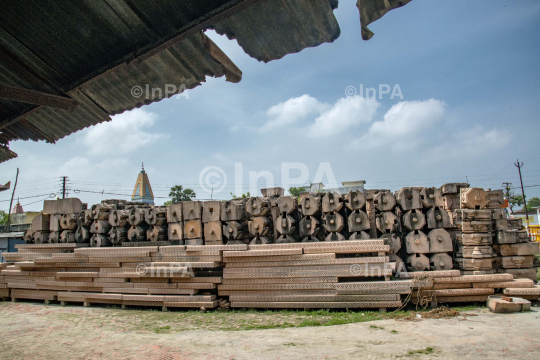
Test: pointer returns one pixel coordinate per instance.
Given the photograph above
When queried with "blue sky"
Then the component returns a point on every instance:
(468, 73)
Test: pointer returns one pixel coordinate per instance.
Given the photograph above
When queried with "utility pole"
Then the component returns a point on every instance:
(519, 165)
(64, 187)
(507, 187)
(11, 202)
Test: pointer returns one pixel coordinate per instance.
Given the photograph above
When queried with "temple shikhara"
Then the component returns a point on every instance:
(143, 190)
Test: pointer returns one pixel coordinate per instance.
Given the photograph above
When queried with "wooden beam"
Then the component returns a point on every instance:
(36, 97)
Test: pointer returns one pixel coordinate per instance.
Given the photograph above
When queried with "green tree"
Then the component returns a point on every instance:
(514, 200)
(3, 217)
(167, 203)
(178, 193)
(295, 191)
(533, 202)
(241, 197)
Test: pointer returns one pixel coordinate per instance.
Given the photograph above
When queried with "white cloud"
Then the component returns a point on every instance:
(292, 111)
(403, 125)
(470, 143)
(346, 112)
(123, 134)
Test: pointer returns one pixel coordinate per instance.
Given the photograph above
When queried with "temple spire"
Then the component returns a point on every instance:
(143, 190)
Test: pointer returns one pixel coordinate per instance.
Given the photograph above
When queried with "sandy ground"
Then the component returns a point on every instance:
(36, 331)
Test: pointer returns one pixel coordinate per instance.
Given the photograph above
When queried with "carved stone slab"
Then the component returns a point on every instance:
(522, 249)
(384, 201)
(386, 222)
(335, 245)
(318, 305)
(525, 273)
(312, 286)
(353, 249)
(355, 200)
(280, 281)
(441, 262)
(416, 242)
(482, 239)
(409, 198)
(433, 274)
(475, 278)
(192, 210)
(438, 218)
(332, 201)
(231, 260)
(514, 284)
(473, 198)
(458, 299)
(174, 213)
(522, 291)
(431, 197)
(517, 262)
(414, 220)
(188, 304)
(358, 260)
(316, 298)
(439, 241)
(294, 251)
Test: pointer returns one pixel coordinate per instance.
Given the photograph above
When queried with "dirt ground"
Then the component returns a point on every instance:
(35, 331)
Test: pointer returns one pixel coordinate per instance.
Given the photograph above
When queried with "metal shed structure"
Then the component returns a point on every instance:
(67, 65)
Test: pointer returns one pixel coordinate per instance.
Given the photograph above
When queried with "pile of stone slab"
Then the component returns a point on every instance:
(488, 242)
(514, 250)
(312, 275)
(167, 276)
(4, 291)
(451, 287)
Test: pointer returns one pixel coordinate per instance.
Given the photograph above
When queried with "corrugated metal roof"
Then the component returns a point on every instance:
(6, 154)
(270, 30)
(86, 50)
(97, 51)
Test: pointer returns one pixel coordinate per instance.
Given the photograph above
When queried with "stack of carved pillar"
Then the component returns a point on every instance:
(235, 221)
(287, 224)
(423, 224)
(119, 220)
(357, 220)
(310, 225)
(193, 227)
(514, 250)
(156, 218)
(260, 224)
(334, 217)
(175, 226)
(479, 210)
(137, 233)
(211, 218)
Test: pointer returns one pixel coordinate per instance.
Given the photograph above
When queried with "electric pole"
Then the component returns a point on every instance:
(11, 202)
(64, 187)
(507, 187)
(519, 165)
